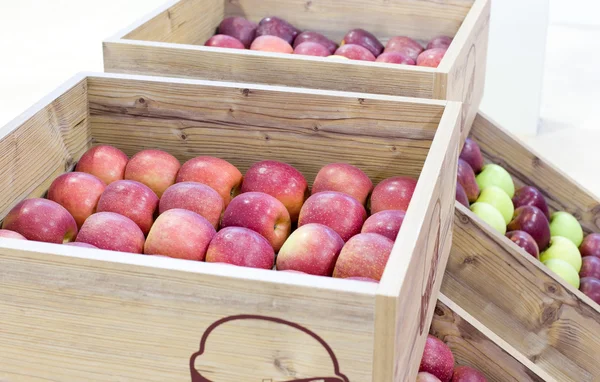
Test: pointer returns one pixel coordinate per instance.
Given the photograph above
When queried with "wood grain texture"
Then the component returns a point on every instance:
(520, 300)
(410, 284)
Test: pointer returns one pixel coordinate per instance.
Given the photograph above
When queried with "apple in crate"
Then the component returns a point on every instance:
(564, 270)
(393, 194)
(525, 241)
(426, 377)
(404, 45)
(78, 192)
(216, 173)
(355, 52)
(467, 374)
(131, 199)
(105, 162)
(156, 169)
(279, 180)
(461, 195)
(365, 39)
(271, 44)
(496, 197)
(312, 49)
(261, 213)
(431, 57)
(315, 37)
(242, 247)
(386, 223)
(41, 220)
(8, 234)
(466, 177)
(239, 28)
(195, 197)
(471, 153)
(533, 221)
(181, 234)
(312, 248)
(344, 178)
(494, 175)
(442, 42)
(113, 232)
(395, 58)
(275, 26)
(340, 212)
(490, 215)
(590, 245)
(364, 255)
(224, 41)
(562, 248)
(590, 267)
(437, 359)
(566, 225)
(531, 196)
(591, 287)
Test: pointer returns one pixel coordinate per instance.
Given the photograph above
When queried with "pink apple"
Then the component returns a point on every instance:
(590, 267)
(437, 359)
(279, 180)
(525, 241)
(7, 234)
(131, 199)
(355, 52)
(395, 58)
(261, 213)
(225, 41)
(312, 248)
(426, 377)
(365, 39)
(471, 153)
(393, 194)
(404, 45)
(78, 192)
(590, 286)
(216, 173)
(364, 255)
(272, 44)
(181, 234)
(155, 168)
(105, 162)
(80, 245)
(239, 28)
(195, 197)
(113, 232)
(310, 36)
(41, 220)
(467, 374)
(312, 49)
(590, 245)
(340, 212)
(440, 42)
(431, 57)
(386, 223)
(344, 178)
(275, 26)
(242, 247)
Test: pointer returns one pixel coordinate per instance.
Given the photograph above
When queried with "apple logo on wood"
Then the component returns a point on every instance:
(263, 349)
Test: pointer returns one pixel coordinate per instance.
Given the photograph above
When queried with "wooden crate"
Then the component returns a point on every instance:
(515, 296)
(170, 42)
(73, 314)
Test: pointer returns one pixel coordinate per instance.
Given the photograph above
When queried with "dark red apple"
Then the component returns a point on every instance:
(239, 28)
(461, 195)
(113, 232)
(525, 241)
(467, 374)
(531, 196)
(590, 245)
(309, 36)
(590, 267)
(242, 247)
(471, 153)
(275, 26)
(437, 359)
(365, 39)
(590, 286)
(393, 194)
(386, 223)
(533, 221)
(404, 45)
(466, 177)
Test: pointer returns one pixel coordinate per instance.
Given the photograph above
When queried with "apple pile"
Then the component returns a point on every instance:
(556, 239)
(437, 365)
(273, 34)
(205, 210)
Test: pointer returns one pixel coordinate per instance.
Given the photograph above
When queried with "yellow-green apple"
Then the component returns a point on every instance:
(393, 194)
(113, 232)
(440, 42)
(195, 197)
(494, 175)
(312, 248)
(78, 192)
(365, 39)
(261, 213)
(426, 377)
(156, 169)
(437, 359)
(131, 199)
(312, 49)
(80, 245)
(395, 58)
(242, 247)
(564, 270)
(355, 52)
(471, 153)
(564, 224)
(495, 196)
(180, 234)
(533, 221)
(590, 245)
(531, 196)
(105, 162)
(386, 223)
(224, 41)
(461, 195)
(315, 37)
(345, 178)
(431, 57)
(467, 374)
(216, 173)
(590, 267)
(525, 241)
(279, 180)
(404, 45)
(591, 287)
(272, 44)
(340, 212)
(490, 215)
(563, 249)
(41, 220)
(364, 255)
(239, 28)
(275, 26)
(8, 234)
(466, 177)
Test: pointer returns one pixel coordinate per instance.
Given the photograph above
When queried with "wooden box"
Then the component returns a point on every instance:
(516, 297)
(72, 314)
(170, 41)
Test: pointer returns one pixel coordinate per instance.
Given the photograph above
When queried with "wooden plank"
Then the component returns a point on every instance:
(412, 278)
(520, 300)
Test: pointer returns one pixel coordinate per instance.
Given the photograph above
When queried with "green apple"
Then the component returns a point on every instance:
(564, 270)
(494, 175)
(499, 199)
(564, 224)
(563, 249)
(490, 215)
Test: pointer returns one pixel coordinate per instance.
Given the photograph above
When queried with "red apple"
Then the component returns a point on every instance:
(426, 377)
(466, 177)
(181, 234)
(309, 36)
(312, 248)
(472, 155)
(461, 195)
(364, 255)
(531, 196)
(155, 168)
(261, 213)
(404, 45)
(195, 197)
(105, 162)
(7, 234)
(113, 232)
(340, 212)
(355, 52)
(271, 44)
(440, 42)
(275, 26)
(525, 241)
(41, 220)
(386, 223)
(590, 286)
(533, 221)
(393, 194)
(279, 180)
(239, 28)
(437, 359)
(242, 247)
(431, 57)
(590, 245)
(225, 41)
(216, 173)
(590, 267)
(131, 199)
(80, 245)
(312, 49)
(395, 58)
(344, 178)
(467, 374)
(78, 192)
(365, 39)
